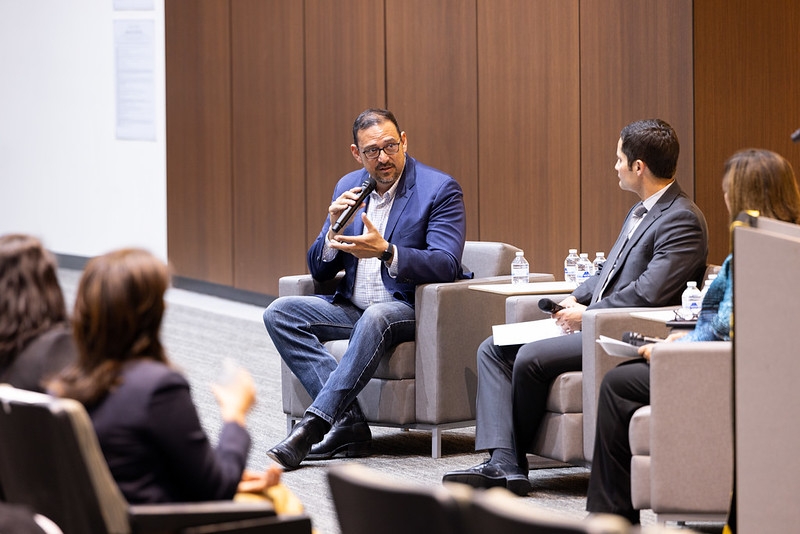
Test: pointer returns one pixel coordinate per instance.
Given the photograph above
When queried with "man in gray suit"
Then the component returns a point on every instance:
(662, 245)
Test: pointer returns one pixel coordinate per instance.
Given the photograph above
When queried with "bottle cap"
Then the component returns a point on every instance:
(520, 253)
(573, 251)
(691, 283)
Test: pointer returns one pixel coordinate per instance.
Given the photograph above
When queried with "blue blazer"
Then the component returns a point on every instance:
(427, 224)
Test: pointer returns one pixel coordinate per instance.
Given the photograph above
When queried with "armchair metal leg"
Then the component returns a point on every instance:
(290, 422)
(436, 443)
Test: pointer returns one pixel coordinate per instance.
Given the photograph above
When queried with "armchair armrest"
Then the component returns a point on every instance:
(452, 322)
(611, 322)
(521, 308)
(304, 284)
(691, 427)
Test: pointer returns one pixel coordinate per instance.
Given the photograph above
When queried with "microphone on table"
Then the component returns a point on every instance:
(637, 340)
(796, 136)
(548, 306)
(367, 187)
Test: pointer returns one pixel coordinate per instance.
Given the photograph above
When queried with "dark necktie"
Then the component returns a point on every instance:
(631, 224)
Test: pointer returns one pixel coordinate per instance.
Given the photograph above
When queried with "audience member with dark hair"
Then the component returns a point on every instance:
(35, 338)
(753, 180)
(141, 408)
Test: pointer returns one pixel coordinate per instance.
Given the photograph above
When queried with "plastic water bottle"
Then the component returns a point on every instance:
(599, 260)
(519, 269)
(690, 301)
(571, 266)
(707, 284)
(584, 268)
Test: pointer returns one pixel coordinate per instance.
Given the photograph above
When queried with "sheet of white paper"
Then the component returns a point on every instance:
(615, 347)
(525, 332)
(134, 47)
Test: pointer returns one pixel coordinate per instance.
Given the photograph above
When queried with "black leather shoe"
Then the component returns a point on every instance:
(350, 437)
(490, 475)
(294, 449)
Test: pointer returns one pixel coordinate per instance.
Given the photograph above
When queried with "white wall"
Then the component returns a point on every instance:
(64, 176)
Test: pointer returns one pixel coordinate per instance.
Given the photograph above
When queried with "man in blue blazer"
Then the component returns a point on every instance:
(662, 245)
(410, 232)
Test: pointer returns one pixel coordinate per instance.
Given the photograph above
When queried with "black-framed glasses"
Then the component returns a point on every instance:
(390, 149)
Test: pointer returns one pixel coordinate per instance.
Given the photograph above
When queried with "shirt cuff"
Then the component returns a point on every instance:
(392, 267)
(328, 252)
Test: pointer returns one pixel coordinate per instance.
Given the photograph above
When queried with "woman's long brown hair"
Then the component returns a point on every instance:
(31, 301)
(117, 318)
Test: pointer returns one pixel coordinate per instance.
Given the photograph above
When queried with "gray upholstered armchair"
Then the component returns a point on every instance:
(682, 444)
(567, 432)
(430, 383)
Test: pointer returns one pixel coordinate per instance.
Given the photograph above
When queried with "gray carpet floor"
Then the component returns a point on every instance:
(200, 331)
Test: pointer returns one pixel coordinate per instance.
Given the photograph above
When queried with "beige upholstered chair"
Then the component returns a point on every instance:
(50, 461)
(430, 383)
(682, 444)
(767, 370)
(567, 432)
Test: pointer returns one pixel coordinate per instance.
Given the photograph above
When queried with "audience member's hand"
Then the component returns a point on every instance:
(570, 319)
(646, 350)
(235, 396)
(257, 482)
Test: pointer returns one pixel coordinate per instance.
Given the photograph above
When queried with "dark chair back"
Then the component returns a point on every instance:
(45, 444)
(368, 501)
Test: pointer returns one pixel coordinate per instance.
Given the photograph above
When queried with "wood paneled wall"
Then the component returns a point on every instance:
(521, 101)
(747, 93)
(636, 63)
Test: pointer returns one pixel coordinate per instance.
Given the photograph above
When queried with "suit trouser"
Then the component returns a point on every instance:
(624, 390)
(513, 382)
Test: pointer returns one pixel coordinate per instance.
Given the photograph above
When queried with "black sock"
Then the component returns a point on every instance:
(503, 456)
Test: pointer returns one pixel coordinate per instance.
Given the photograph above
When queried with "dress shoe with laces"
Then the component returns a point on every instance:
(294, 449)
(490, 475)
(350, 437)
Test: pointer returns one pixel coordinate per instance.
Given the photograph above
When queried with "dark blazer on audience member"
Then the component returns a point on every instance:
(150, 434)
(42, 357)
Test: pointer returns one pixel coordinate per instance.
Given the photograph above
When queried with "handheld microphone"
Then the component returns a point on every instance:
(367, 187)
(637, 340)
(548, 306)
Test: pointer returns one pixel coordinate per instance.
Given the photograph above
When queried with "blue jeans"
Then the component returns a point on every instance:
(300, 325)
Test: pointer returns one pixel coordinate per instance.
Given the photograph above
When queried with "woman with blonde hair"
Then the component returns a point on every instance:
(141, 408)
(35, 338)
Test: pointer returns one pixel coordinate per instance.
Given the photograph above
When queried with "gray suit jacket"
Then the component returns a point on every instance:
(669, 247)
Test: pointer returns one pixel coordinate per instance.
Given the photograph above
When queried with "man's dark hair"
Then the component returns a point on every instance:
(655, 143)
(371, 117)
